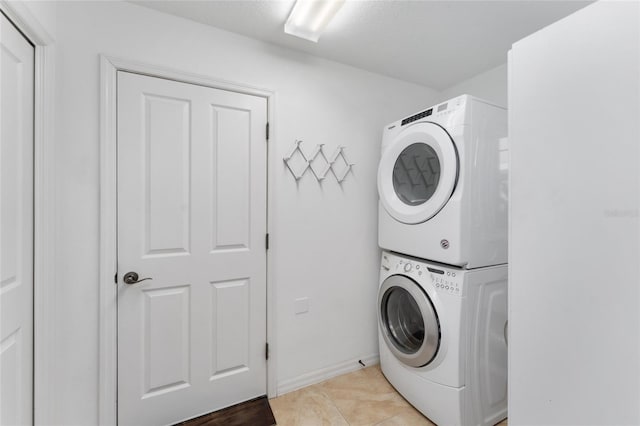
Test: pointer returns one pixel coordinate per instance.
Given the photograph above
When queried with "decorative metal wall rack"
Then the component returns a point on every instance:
(318, 156)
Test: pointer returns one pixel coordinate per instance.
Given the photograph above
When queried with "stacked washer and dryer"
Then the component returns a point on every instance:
(442, 302)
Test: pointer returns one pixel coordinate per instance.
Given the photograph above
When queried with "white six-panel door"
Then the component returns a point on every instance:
(192, 218)
(16, 217)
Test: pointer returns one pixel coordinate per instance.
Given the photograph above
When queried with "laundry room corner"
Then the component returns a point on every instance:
(304, 212)
(323, 234)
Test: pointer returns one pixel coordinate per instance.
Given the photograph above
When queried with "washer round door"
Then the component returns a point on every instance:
(408, 321)
(418, 173)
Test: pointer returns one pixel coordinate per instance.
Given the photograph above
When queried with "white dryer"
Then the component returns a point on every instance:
(442, 184)
(442, 337)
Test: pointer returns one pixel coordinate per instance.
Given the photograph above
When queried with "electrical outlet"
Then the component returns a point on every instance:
(301, 305)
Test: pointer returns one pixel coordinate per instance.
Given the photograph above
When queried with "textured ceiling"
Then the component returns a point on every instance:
(432, 43)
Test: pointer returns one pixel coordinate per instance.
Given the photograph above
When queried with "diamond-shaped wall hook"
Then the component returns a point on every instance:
(296, 161)
(317, 162)
(340, 166)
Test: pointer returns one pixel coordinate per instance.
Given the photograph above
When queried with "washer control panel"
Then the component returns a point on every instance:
(443, 279)
(447, 281)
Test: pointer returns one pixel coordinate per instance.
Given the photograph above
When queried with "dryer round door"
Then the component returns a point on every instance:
(408, 321)
(418, 173)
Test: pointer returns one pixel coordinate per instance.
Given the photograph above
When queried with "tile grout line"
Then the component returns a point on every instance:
(319, 385)
(319, 389)
(325, 392)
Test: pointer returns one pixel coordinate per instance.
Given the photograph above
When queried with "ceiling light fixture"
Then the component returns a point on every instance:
(310, 17)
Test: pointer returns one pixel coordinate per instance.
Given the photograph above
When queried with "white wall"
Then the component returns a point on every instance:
(39, 15)
(490, 85)
(574, 294)
(324, 241)
(45, 12)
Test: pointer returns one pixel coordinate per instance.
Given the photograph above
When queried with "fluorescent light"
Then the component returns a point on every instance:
(310, 17)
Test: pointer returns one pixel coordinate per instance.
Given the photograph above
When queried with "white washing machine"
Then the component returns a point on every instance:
(442, 337)
(442, 183)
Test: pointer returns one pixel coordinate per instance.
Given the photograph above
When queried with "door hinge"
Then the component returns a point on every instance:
(266, 351)
(266, 242)
(115, 278)
(267, 130)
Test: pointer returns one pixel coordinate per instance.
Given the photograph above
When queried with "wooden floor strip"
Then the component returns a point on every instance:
(256, 412)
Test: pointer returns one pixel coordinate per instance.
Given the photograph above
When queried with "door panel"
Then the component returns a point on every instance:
(166, 362)
(232, 129)
(167, 144)
(231, 328)
(16, 218)
(191, 216)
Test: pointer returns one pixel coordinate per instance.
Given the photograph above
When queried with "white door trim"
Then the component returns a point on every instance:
(108, 339)
(44, 212)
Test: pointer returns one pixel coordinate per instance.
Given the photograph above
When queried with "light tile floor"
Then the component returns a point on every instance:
(361, 398)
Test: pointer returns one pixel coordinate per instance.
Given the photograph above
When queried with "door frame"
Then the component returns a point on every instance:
(43, 207)
(108, 314)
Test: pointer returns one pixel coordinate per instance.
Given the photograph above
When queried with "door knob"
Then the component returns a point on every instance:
(133, 278)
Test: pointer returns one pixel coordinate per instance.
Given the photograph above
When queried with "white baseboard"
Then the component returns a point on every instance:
(326, 373)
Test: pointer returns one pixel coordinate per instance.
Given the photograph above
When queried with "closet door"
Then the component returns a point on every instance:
(191, 226)
(16, 226)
